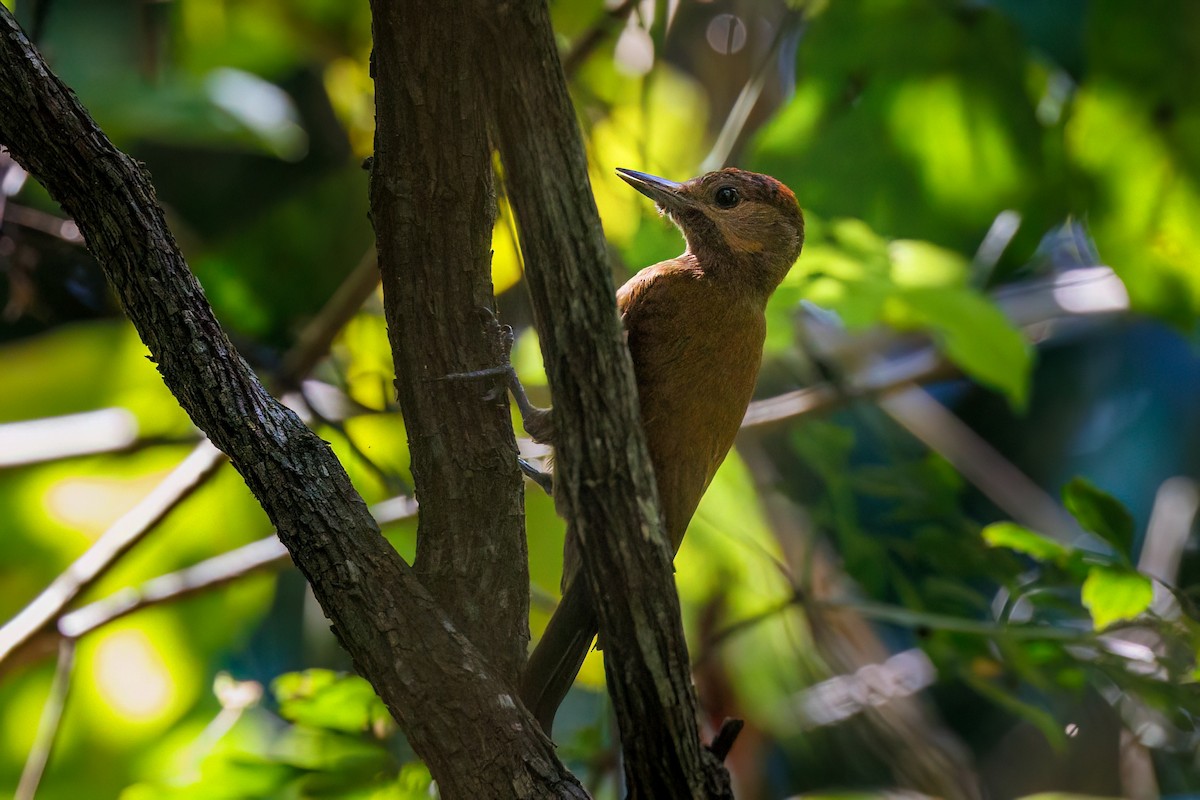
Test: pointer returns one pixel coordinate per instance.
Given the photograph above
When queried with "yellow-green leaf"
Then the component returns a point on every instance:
(1023, 540)
(1113, 594)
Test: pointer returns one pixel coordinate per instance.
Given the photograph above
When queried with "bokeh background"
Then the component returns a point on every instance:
(952, 552)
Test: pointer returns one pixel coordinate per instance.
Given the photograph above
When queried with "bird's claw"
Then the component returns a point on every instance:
(542, 479)
(504, 369)
(504, 332)
(505, 337)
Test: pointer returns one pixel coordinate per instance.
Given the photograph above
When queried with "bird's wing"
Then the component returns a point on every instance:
(633, 290)
(651, 304)
(650, 287)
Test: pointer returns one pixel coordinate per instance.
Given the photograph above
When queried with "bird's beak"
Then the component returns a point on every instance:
(667, 194)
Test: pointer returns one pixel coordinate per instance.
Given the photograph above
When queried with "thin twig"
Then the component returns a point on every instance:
(193, 472)
(946, 623)
(739, 114)
(208, 574)
(722, 743)
(712, 643)
(590, 39)
(923, 366)
(312, 416)
(59, 446)
(317, 337)
(910, 618)
(979, 462)
(127, 531)
(47, 734)
(49, 224)
(266, 553)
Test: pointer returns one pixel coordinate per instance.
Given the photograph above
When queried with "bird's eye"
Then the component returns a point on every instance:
(727, 197)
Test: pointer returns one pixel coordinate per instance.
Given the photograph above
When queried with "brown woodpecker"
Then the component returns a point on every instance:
(695, 326)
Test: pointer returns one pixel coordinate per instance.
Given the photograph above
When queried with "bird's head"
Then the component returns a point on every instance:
(732, 219)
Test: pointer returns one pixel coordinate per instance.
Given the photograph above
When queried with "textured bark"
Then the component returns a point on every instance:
(457, 712)
(433, 209)
(606, 487)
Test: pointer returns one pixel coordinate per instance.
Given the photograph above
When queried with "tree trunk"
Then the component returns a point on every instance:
(461, 717)
(604, 481)
(441, 643)
(433, 210)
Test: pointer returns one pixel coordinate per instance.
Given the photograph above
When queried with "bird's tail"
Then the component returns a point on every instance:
(559, 654)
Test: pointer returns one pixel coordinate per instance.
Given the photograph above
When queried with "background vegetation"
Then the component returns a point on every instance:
(1013, 538)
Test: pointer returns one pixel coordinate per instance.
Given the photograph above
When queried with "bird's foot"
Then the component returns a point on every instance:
(506, 337)
(536, 420)
(491, 372)
(542, 479)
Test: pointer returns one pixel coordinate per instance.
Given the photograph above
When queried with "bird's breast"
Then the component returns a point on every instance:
(696, 355)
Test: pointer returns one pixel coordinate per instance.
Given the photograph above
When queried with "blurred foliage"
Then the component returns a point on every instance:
(927, 142)
(907, 128)
(334, 746)
(908, 285)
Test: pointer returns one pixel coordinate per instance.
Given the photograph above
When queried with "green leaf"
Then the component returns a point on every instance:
(1113, 594)
(910, 285)
(337, 757)
(324, 699)
(1023, 540)
(972, 332)
(1101, 513)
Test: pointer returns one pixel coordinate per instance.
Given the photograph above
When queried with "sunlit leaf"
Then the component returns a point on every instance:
(380, 438)
(730, 569)
(352, 94)
(1113, 594)
(973, 334)
(137, 676)
(913, 285)
(1132, 138)
(84, 367)
(526, 358)
(1022, 540)
(653, 129)
(223, 779)
(930, 142)
(344, 759)
(367, 370)
(325, 699)
(915, 263)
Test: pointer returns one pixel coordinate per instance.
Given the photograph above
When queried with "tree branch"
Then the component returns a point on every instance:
(583, 47)
(433, 207)
(208, 574)
(427, 672)
(318, 335)
(604, 483)
(38, 619)
(95, 562)
(51, 722)
(266, 553)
